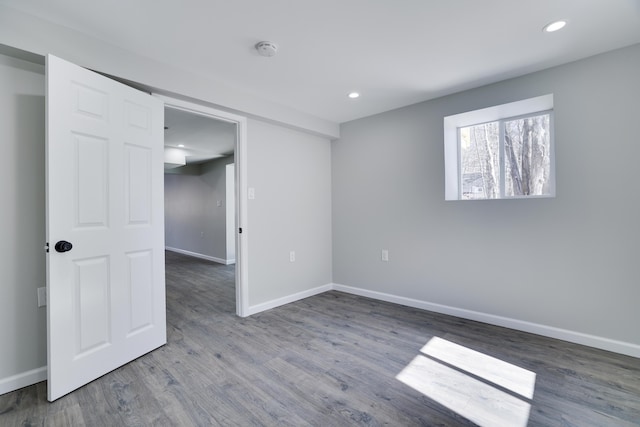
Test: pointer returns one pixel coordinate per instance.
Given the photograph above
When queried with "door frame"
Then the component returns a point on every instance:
(240, 160)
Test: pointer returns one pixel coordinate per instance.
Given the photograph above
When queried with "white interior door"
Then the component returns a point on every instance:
(105, 196)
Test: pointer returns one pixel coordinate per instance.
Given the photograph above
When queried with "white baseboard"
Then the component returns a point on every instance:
(23, 379)
(288, 299)
(520, 325)
(201, 256)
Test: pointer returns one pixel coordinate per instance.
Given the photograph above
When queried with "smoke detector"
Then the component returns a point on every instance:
(266, 48)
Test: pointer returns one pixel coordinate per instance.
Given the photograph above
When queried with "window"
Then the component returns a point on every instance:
(501, 152)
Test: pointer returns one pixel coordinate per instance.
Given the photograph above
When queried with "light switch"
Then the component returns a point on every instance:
(252, 193)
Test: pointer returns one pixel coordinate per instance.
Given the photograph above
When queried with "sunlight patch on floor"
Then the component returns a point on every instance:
(473, 384)
(497, 371)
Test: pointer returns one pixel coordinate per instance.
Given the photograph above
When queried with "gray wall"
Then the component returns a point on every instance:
(22, 233)
(193, 220)
(568, 262)
(291, 174)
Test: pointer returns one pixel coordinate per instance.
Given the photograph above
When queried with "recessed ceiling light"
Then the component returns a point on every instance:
(354, 95)
(554, 26)
(181, 145)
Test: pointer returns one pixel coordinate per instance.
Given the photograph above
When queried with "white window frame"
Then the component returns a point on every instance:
(514, 110)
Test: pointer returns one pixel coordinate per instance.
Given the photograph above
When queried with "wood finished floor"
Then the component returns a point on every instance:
(332, 360)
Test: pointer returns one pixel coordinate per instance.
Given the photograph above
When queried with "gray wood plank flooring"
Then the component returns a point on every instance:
(336, 360)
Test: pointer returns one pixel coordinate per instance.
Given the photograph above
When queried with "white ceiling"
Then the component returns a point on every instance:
(395, 52)
(203, 138)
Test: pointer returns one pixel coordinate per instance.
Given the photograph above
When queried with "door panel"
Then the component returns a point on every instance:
(140, 289)
(105, 195)
(91, 167)
(91, 295)
(137, 185)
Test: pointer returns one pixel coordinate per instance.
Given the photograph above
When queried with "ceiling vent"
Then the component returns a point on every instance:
(266, 48)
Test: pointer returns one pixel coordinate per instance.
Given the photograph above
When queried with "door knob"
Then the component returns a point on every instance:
(63, 246)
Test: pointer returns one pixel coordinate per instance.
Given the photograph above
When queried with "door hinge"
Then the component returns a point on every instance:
(240, 230)
(46, 247)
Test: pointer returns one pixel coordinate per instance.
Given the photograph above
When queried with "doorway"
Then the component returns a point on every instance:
(199, 206)
(214, 144)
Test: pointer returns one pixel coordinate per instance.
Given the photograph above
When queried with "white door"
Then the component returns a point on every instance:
(105, 196)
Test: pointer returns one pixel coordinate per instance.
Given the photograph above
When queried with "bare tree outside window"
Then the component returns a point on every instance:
(479, 161)
(524, 151)
(527, 144)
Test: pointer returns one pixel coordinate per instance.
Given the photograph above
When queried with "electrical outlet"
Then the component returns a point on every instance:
(385, 255)
(292, 256)
(251, 193)
(42, 297)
